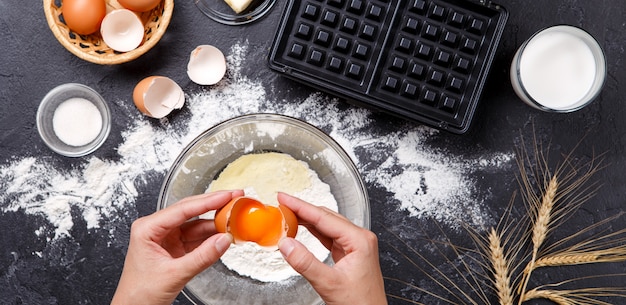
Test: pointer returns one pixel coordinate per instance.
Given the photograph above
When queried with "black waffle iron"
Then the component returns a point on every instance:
(422, 60)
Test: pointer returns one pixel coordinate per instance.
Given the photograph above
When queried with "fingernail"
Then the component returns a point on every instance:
(286, 246)
(222, 243)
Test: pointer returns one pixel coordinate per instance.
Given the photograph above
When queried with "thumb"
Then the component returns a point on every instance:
(303, 261)
(206, 254)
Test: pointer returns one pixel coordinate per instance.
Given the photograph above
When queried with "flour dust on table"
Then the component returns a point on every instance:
(425, 180)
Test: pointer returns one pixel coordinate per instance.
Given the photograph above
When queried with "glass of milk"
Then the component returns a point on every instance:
(559, 69)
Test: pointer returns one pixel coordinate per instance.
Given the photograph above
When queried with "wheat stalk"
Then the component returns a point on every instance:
(610, 255)
(564, 260)
(544, 216)
(582, 296)
(555, 296)
(540, 229)
(500, 267)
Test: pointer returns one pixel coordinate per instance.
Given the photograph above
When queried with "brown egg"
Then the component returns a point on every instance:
(249, 220)
(83, 16)
(139, 5)
(157, 96)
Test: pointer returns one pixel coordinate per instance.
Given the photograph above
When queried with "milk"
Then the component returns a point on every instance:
(559, 69)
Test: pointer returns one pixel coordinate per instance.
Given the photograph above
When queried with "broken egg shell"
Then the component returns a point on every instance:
(290, 219)
(157, 96)
(207, 65)
(249, 220)
(122, 30)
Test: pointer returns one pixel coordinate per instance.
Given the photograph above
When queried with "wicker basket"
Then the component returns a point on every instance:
(92, 48)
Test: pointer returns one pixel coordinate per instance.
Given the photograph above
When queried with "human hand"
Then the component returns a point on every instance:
(166, 250)
(356, 277)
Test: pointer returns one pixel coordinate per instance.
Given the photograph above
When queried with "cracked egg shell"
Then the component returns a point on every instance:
(207, 65)
(249, 220)
(158, 96)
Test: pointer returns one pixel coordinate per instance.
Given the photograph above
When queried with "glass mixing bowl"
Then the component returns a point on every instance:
(207, 155)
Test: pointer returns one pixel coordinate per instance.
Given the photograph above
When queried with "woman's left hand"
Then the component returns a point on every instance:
(166, 250)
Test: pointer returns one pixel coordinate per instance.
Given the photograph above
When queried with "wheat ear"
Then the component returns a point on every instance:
(540, 229)
(610, 255)
(585, 296)
(555, 296)
(501, 270)
(567, 259)
(544, 216)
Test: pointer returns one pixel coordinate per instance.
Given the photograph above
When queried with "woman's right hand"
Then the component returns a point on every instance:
(355, 278)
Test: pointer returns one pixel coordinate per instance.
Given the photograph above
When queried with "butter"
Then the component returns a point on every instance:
(238, 5)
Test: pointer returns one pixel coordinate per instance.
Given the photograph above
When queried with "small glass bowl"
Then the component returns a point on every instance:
(219, 11)
(49, 104)
(208, 154)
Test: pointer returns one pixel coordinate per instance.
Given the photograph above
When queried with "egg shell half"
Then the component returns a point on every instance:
(158, 96)
(207, 65)
(122, 30)
(249, 220)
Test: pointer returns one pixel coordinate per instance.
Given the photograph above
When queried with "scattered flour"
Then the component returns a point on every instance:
(424, 180)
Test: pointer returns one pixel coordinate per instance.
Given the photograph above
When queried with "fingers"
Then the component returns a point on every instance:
(304, 262)
(306, 211)
(175, 215)
(328, 223)
(206, 254)
(194, 233)
(326, 241)
(199, 229)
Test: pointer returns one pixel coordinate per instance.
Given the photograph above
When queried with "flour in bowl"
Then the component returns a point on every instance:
(262, 176)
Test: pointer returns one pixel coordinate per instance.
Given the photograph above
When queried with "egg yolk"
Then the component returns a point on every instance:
(256, 222)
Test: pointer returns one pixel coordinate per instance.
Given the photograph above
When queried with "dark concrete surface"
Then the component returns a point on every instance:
(84, 269)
